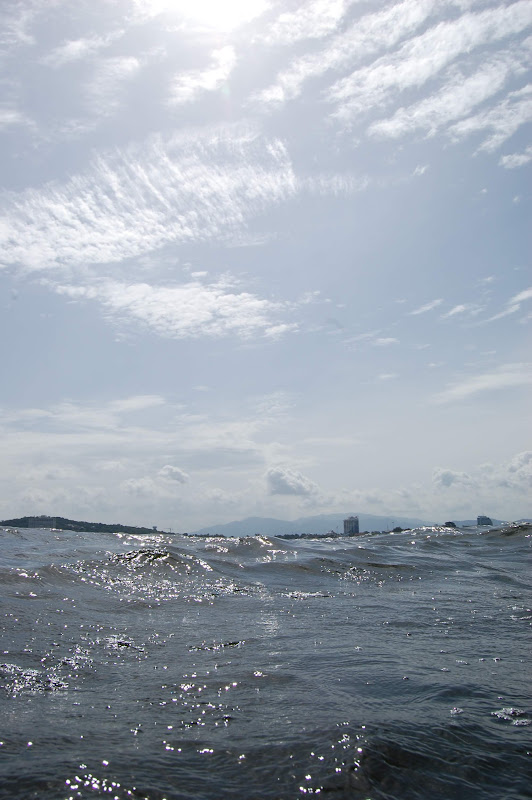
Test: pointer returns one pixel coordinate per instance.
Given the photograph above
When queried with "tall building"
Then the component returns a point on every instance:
(481, 520)
(351, 526)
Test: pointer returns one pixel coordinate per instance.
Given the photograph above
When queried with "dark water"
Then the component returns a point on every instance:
(387, 666)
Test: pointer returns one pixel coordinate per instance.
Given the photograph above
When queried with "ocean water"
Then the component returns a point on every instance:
(382, 666)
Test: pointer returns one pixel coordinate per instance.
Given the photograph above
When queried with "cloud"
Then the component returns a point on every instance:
(515, 160)
(190, 187)
(443, 478)
(311, 21)
(285, 481)
(78, 49)
(513, 305)
(526, 294)
(462, 308)
(367, 36)
(173, 474)
(137, 402)
(503, 120)
(509, 375)
(10, 116)
(187, 86)
(371, 338)
(385, 341)
(15, 19)
(84, 418)
(427, 307)
(423, 57)
(187, 310)
(516, 473)
(456, 99)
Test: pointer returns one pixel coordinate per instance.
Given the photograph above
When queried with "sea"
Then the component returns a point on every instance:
(378, 667)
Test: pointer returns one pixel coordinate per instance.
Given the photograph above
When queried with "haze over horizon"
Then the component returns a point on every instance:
(265, 259)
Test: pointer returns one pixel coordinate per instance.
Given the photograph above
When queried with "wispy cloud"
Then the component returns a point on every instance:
(503, 120)
(371, 338)
(385, 341)
(79, 49)
(187, 310)
(509, 375)
(367, 36)
(191, 187)
(15, 21)
(514, 160)
(513, 305)
(312, 21)
(462, 308)
(188, 85)
(388, 376)
(10, 117)
(423, 57)
(459, 96)
(427, 307)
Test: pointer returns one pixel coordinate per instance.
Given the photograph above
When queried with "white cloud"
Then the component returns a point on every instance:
(503, 120)
(367, 36)
(186, 310)
(311, 21)
(443, 478)
(385, 341)
(187, 86)
(458, 97)
(370, 338)
(427, 307)
(15, 20)
(526, 294)
(173, 474)
(78, 49)
(281, 480)
(505, 485)
(462, 308)
(517, 472)
(514, 160)
(138, 402)
(182, 188)
(423, 57)
(513, 305)
(509, 375)
(11, 116)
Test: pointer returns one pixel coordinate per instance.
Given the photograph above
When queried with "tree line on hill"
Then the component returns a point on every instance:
(62, 523)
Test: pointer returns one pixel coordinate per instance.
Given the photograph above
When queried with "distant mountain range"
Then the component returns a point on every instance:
(320, 524)
(325, 523)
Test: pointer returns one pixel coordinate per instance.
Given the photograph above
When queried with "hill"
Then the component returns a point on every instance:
(72, 525)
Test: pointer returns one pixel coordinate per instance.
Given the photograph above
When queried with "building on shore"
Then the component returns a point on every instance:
(351, 526)
(481, 520)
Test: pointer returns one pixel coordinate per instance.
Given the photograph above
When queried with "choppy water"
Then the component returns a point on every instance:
(386, 666)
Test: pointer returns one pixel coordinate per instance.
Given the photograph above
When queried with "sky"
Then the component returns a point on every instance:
(265, 258)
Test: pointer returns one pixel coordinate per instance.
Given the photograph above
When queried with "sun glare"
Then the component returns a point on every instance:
(216, 14)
